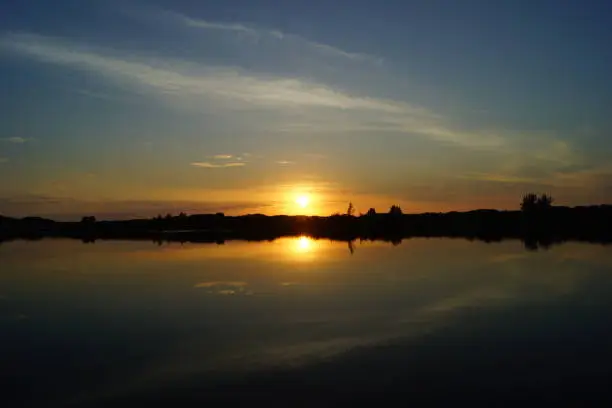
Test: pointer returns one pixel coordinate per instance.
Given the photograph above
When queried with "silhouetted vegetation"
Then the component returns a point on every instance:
(88, 220)
(532, 203)
(539, 224)
(350, 210)
(395, 210)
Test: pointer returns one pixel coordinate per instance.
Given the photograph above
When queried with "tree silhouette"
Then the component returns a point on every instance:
(531, 202)
(351, 246)
(350, 211)
(395, 210)
(88, 220)
(545, 201)
(371, 212)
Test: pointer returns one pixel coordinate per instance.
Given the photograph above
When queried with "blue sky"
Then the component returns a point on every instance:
(129, 108)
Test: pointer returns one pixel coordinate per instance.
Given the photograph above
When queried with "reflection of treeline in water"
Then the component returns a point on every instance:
(538, 223)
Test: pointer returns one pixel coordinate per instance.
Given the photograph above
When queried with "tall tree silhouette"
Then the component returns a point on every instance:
(350, 211)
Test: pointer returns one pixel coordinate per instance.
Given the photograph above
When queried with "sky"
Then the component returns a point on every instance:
(130, 108)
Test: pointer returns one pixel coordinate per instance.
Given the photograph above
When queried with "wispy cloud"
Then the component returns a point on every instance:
(181, 78)
(318, 106)
(240, 28)
(15, 139)
(222, 156)
(284, 162)
(209, 165)
(225, 288)
(220, 283)
(498, 178)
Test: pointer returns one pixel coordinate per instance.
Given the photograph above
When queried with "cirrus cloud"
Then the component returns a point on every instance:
(296, 105)
(182, 83)
(14, 139)
(208, 165)
(255, 32)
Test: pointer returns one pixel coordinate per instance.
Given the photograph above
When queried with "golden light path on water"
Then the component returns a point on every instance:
(303, 244)
(281, 251)
(303, 248)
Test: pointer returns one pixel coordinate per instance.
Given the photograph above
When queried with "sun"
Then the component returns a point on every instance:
(302, 201)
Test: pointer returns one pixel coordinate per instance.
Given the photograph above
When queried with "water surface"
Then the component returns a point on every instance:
(302, 322)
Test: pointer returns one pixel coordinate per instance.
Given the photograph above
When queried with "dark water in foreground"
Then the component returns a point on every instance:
(298, 322)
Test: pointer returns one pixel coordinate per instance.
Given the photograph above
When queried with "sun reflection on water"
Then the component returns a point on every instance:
(303, 248)
(287, 249)
(303, 244)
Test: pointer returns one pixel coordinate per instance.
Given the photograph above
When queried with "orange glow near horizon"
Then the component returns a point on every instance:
(301, 197)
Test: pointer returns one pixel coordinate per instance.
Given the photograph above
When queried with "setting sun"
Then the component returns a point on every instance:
(302, 201)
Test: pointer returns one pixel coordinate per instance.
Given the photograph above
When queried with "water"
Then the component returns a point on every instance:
(298, 322)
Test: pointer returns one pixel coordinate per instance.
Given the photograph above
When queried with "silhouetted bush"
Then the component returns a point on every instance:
(395, 210)
(532, 203)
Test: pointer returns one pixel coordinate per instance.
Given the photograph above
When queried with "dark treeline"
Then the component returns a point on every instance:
(538, 224)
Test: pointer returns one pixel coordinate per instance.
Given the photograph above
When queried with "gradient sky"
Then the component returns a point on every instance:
(130, 108)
